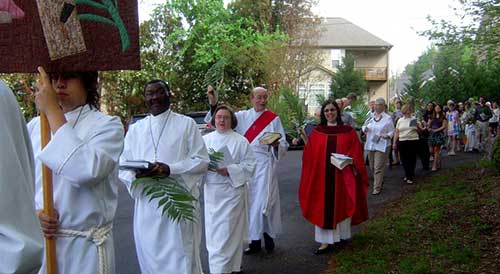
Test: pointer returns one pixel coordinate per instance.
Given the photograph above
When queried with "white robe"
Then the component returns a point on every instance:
(330, 236)
(164, 246)
(84, 164)
(21, 242)
(264, 199)
(226, 225)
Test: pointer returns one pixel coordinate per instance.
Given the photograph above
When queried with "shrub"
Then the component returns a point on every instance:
(495, 156)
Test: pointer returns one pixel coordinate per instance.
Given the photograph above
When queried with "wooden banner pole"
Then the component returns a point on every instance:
(48, 200)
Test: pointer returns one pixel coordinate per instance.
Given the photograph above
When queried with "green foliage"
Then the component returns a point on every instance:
(411, 90)
(320, 98)
(495, 156)
(23, 86)
(478, 22)
(215, 158)
(347, 79)
(360, 112)
(456, 73)
(175, 199)
(290, 110)
(433, 228)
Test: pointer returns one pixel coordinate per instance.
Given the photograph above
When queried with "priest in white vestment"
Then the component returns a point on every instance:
(264, 200)
(226, 226)
(174, 144)
(83, 155)
(21, 242)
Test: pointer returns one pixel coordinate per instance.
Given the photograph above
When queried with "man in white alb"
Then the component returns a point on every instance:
(174, 144)
(264, 200)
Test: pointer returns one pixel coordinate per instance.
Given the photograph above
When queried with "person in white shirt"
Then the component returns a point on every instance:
(494, 119)
(21, 241)
(407, 141)
(379, 130)
(225, 195)
(264, 201)
(83, 156)
(173, 143)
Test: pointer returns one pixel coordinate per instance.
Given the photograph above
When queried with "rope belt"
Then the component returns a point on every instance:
(96, 235)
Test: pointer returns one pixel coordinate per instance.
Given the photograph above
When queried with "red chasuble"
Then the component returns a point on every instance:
(328, 195)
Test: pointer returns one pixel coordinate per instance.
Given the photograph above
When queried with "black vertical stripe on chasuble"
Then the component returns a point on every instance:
(330, 170)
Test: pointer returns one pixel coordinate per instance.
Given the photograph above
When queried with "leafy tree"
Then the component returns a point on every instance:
(347, 79)
(23, 86)
(411, 90)
(479, 23)
(290, 110)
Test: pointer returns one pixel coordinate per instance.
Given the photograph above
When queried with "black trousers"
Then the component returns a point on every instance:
(423, 153)
(408, 153)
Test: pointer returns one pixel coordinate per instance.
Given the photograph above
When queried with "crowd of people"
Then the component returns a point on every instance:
(241, 197)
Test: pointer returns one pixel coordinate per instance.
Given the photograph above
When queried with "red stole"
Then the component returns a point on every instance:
(328, 195)
(259, 125)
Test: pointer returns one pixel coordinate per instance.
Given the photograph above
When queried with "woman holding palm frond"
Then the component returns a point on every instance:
(225, 195)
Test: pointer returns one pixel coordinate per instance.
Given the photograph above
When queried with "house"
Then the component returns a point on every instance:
(337, 38)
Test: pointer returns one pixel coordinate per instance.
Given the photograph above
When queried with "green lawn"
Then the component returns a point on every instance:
(449, 223)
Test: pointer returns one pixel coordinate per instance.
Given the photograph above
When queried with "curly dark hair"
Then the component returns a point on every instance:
(323, 121)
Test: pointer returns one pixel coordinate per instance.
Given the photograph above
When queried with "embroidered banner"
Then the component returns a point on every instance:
(68, 35)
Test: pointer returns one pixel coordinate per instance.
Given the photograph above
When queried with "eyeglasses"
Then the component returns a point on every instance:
(226, 118)
(329, 110)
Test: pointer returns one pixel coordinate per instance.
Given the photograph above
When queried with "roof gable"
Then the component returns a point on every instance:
(337, 32)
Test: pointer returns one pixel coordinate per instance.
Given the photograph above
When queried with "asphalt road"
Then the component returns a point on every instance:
(293, 253)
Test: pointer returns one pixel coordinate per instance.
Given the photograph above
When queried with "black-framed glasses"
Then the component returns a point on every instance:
(329, 110)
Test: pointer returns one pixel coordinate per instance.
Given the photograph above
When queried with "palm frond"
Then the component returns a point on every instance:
(215, 158)
(360, 112)
(215, 75)
(175, 199)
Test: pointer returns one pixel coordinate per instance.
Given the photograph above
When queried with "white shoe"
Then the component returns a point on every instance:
(409, 182)
(451, 153)
(376, 191)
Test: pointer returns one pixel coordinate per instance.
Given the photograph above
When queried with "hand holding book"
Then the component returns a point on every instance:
(270, 138)
(340, 160)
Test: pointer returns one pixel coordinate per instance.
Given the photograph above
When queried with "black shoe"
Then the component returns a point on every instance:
(268, 243)
(253, 247)
(323, 250)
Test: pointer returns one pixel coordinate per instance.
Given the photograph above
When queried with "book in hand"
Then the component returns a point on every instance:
(135, 165)
(269, 137)
(340, 160)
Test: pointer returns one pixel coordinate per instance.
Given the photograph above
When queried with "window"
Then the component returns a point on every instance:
(335, 64)
(336, 57)
(314, 91)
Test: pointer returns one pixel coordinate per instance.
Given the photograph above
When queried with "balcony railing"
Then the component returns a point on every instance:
(374, 73)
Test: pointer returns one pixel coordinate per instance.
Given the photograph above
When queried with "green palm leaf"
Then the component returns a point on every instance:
(360, 112)
(215, 158)
(175, 199)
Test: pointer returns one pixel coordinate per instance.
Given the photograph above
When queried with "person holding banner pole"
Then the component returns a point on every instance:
(264, 201)
(83, 155)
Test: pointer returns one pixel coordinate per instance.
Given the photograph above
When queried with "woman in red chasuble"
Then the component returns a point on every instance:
(330, 198)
